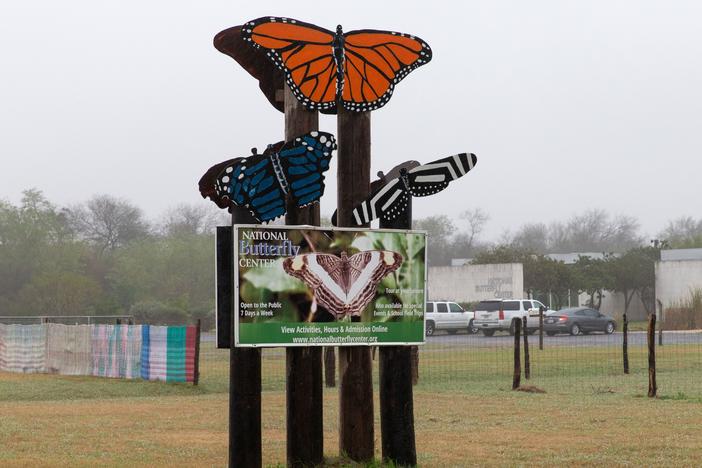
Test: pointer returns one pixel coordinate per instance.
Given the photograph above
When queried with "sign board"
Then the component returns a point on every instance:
(308, 286)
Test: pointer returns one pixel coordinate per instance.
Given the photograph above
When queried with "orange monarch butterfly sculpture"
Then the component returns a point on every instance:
(359, 68)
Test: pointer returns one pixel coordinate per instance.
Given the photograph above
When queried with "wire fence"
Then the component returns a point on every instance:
(591, 363)
(472, 363)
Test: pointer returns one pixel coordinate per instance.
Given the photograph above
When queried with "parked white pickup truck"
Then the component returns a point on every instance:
(449, 316)
(494, 315)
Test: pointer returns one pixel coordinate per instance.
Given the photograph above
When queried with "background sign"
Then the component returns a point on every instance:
(328, 287)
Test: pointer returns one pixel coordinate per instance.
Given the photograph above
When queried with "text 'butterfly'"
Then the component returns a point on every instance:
(343, 285)
(261, 182)
(359, 68)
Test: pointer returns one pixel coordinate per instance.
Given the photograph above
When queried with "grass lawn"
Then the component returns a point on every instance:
(465, 413)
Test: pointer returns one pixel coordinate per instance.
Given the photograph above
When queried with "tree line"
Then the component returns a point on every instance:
(104, 257)
(591, 231)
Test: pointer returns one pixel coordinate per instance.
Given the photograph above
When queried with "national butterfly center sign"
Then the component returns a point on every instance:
(307, 286)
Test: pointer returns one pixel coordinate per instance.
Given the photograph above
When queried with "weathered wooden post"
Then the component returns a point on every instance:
(517, 376)
(541, 328)
(303, 376)
(396, 394)
(414, 351)
(244, 387)
(652, 388)
(329, 366)
(625, 344)
(356, 432)
(527, 368)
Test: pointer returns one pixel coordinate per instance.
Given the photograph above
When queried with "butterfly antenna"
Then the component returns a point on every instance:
(254, 151)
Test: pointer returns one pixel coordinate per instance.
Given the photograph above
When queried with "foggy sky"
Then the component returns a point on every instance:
(568, 105)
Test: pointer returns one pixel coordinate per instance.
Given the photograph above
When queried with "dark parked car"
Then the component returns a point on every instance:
(575, 320)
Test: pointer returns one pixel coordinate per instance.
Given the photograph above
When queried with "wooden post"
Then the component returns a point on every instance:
(541, 328)
(196, 364)
(244, 389)
(396, 395)
(415, 364)
(303, 376)
(356, 432)
(652, 387)
(527, 367)
(625, 344)
(660, 322)
(517, 376)
(329, 366)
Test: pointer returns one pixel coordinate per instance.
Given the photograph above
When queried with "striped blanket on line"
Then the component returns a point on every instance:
(117, 351)
(68, 349)
(168, 353)
(23, 348)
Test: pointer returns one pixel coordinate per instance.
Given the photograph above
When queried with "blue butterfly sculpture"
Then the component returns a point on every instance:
(261, 182)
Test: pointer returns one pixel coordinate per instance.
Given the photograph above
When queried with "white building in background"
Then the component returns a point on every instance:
(678, 273)
(463, 282)
(472, 283)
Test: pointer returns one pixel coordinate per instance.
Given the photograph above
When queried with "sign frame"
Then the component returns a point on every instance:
(236, 310)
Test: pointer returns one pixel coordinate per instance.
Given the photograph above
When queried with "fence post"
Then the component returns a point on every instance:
(516, 378)
(625, 344)
(660, 322)
(527, 366)
(652, 355)
(196, 364)
(541, 328)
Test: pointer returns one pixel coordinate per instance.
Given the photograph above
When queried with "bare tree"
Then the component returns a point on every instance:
(108, 222)
(532, 237)
(439, 229)
(476, 220)
(683, 232)
(594, 231)
(192, 219)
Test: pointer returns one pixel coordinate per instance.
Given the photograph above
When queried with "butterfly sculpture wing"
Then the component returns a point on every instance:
(346, 285)
(391, 199)
(362, 75)
(302, 163)
(388, 201)
(261, 182)
(375, 61)
(304, 53)
(435, 176)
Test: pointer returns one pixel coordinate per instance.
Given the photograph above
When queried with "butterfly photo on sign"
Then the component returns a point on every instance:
(322, 275)
(263, 182)
(343, 285)
(324, 69)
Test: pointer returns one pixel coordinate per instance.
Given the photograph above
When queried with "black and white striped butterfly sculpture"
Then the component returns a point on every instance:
(410, 179)
(262, 182)
(343, 285)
